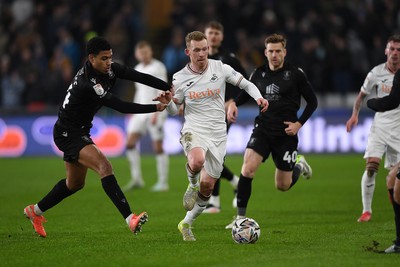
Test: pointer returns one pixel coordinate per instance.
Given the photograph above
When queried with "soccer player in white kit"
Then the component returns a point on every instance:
(140, 124)
(200, 87)
(379, 80)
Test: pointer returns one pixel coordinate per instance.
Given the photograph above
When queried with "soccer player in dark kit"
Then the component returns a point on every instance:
(88, 92)
(275, 131)
(385, 103)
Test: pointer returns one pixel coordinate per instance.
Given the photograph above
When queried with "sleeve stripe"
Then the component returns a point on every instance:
(241, 78)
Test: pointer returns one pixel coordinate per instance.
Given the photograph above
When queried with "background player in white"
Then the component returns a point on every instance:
(379, 81)
(200, 86)
(139, 124)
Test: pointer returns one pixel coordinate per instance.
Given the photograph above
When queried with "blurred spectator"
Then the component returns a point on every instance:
(334, 41)
(11, 85)
(174, 56)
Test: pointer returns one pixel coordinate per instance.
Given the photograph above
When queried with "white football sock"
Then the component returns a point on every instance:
(214, 200)
(198, 208)
(37, 210)
(162, 168)
(128, 219)
(234, 182)
(135, 166)
(193, 178)
(367, 191)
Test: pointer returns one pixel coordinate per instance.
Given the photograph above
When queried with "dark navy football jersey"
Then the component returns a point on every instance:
(90, 90)
(283, 89)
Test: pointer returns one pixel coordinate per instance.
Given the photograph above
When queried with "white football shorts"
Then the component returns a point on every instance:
(142, 123)
(215, 151)
(383, 141)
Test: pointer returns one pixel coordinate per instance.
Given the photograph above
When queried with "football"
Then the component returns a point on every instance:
(245, 231)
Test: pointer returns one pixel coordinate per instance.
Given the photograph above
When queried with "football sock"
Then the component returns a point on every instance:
(162, 168)
(215, 201)
(133, 156)
(199, 207)
(226, 173)
(215, 191)
(114, 192)
(396, 209)
(367, 191)
(296, 174)
(243, 194)
(58, 193)
(192, 177)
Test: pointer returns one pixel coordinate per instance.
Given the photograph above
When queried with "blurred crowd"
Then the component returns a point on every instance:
(42, 42)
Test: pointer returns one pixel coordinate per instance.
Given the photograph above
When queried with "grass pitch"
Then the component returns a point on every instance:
(313, 224)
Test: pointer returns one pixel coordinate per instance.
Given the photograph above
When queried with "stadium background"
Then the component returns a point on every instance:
(42, 47)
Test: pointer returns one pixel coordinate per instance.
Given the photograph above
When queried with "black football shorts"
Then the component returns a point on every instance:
(71, 141)
(282, 148)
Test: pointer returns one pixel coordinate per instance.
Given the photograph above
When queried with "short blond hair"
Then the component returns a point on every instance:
(274, 39)
(194, 36)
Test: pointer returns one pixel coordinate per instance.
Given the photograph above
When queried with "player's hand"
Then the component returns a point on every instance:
(292, 127)
(161, 106)
(263, 103)
(232, 112)
(351, 122)
(164, 97)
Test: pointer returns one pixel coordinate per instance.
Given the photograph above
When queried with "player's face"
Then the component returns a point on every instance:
(102, 61)
(144, 54)
(214, 37)
(275, 53)
(198, 53)
(392, 53)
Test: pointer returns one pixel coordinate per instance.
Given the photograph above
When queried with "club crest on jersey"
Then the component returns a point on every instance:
(99, 89)
(286, 75)
(214, 78)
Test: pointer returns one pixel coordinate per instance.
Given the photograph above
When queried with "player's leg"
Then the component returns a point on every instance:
(75, 180)
(395, 194)
(92, 157)
(368, 187)
(251, 162)
(209, 175)
(63, 189)
(135, 129)
(162, 160)
(289, 166)
(133, 155)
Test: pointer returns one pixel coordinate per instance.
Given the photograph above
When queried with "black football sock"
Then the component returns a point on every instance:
(114, 192)
(243, 194)
(226, 173)
(295, 174)
(58, 193)
(215, 191)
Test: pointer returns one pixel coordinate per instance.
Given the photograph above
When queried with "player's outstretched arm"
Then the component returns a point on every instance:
(129, 107)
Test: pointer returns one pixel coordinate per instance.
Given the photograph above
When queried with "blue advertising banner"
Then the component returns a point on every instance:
(325, 132)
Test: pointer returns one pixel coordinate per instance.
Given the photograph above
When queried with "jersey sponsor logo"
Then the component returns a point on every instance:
(204, 94)
(99, 89)
(272, 92)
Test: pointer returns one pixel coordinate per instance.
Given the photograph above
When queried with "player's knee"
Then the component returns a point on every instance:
(248, 170)
(196, 165)
(282, 186)
(372, 168)
(75, 186)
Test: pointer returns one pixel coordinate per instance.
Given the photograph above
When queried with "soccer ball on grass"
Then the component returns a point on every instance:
(245, 231)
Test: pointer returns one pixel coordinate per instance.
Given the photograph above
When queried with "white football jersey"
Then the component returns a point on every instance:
(144, 94)
(204, 97)
(380, 80)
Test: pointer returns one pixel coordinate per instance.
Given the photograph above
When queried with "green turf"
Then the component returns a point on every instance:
(314, 224)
